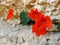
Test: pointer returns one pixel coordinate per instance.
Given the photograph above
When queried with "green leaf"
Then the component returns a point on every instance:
(58, 27)
(24, 18)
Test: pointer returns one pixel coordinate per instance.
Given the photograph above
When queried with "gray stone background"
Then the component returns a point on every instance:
(22, 35)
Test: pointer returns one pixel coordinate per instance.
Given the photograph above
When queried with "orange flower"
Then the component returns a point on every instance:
(10, 14)
(48, 22)
(33, 14)
(41, 22)
(38, 29)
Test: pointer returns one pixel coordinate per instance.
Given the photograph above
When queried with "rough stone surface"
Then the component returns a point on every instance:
(22, 35)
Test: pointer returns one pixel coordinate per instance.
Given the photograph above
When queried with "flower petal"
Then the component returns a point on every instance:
(33, 14)
(10, 14)
(48, 22)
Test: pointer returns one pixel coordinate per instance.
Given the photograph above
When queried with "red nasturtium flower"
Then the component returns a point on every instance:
(10, 14)
(41, 22)
(33, 14)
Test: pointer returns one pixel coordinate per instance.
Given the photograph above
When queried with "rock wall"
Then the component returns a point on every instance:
(22, 35)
